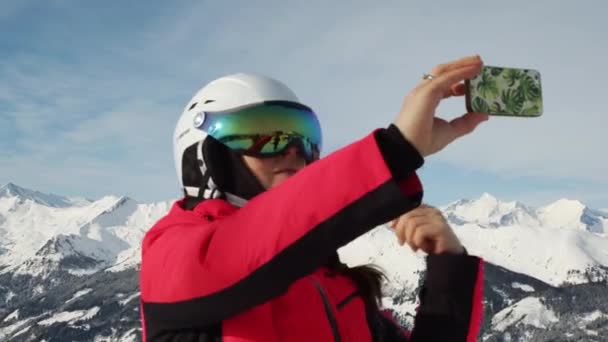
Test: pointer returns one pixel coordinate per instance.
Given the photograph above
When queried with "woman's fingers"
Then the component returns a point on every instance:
(409, 219)
(464, 61)
(426, 228)
(455, 90)
(425, 236)
(445, 81)
(404, 225)
(416, 117)
(399, 230)
(411, 227)
(408, 228)
(466, 124)
(419, 228)
(450, 74)
(397, 225)
(414, 213)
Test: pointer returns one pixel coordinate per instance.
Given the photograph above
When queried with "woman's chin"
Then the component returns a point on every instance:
(281, 177)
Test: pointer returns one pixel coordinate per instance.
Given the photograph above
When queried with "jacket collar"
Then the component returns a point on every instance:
(209, 209)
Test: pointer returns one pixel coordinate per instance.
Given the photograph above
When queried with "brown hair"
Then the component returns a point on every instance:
(367, 278)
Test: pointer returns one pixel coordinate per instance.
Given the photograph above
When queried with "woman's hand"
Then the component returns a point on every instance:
(425, 228)
(417, 121)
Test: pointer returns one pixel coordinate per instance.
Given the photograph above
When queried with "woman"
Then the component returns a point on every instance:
(249, 254)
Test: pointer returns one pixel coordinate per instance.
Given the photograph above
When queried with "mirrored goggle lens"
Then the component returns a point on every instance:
(265, 129)
(270, 145)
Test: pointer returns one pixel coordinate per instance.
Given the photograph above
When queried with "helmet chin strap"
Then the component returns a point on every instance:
(235, 200)
(208, 188)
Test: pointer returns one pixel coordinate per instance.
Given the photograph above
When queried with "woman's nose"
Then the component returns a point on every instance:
(292, 151)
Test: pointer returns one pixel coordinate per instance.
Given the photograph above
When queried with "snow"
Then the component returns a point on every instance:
(489, 212)
(109, 230)
(523, 287)
(7, 331)
(542, 252)
(22, 331)
(14, 315)
(128, 299)
(39, 289)
(82, 272)
(12, 190)
(592, 316)
(127, 262)
(70, 316)
(545, 254)
(65, 316)
(79, 294)
(90, 314)
(505, 296)
(130, 335)
(380, 247)
(563, 212)
(407, 309)
(529, 311)
(574, 215)
(80, 201)
(546, 243)
(10, 295)
(400, 264)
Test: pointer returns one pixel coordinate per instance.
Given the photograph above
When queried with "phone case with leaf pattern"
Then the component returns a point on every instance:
(505, 91)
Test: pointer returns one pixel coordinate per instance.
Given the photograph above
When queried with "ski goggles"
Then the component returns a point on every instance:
(266, 129)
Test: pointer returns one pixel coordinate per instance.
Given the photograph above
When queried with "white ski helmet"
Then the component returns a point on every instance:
(225, 93)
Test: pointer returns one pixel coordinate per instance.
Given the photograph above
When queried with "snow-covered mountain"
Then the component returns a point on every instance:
(489, 212)
(68, 267)
(65, 263)
(41, 232)
(517, 306)
(11, 190)
(563, 242)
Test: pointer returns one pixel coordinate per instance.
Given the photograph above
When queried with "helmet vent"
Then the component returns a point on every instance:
(193, 105)
(209, 101)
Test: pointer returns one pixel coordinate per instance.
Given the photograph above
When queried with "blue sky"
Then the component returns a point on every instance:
(90, 91)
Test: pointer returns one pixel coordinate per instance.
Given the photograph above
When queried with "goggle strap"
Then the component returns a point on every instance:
(203, 168)
(192, 191)
(199, 158)
(208, 189)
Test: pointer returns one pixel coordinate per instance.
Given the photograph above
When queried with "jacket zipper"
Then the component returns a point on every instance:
(330, 315)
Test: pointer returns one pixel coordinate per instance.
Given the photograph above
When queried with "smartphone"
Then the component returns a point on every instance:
(505, 91)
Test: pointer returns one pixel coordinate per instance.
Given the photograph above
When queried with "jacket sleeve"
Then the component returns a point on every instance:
(451, 306)
(385, 328)
(280, 235)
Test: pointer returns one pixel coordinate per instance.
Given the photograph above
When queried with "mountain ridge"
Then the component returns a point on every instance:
(76, 277)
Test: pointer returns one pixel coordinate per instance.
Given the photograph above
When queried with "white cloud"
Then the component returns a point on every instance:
(87, 133)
